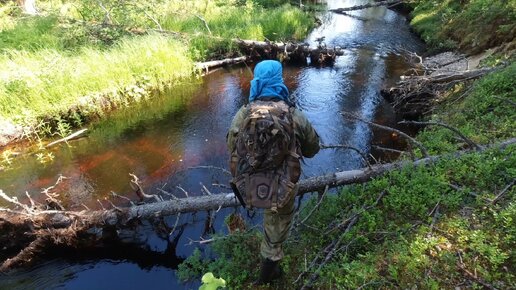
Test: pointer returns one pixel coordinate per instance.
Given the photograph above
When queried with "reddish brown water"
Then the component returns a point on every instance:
(161, 140)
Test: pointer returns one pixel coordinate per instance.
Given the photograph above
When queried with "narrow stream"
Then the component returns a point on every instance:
(163, 142)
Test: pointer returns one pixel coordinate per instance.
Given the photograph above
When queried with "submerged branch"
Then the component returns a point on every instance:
(67, 138)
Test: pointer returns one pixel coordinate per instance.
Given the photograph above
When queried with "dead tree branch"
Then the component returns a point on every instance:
(153, 20)
(364, 157)
(508, 101)
(67, 138)
(205, 23)
(474, 277)
(350, 222)
(505, 190)
(205, 66)
(410, 139)
(455, 130)
(315, 207)
(136, 186)
(225, 171)
(381, 148)
(417, 95)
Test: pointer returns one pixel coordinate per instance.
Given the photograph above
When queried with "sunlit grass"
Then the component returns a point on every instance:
(52, 62)
(468, 25)
(244, 22)
(48, 81)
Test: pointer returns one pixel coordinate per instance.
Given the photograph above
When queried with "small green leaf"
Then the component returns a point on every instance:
(211, 283)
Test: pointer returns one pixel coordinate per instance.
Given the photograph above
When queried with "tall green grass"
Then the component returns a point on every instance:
(73, 52)
(244, 22)
(48, 80)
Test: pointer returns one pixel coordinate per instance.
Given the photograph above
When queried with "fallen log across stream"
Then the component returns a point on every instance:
(28, 230)
(364, 6)
(287, 51)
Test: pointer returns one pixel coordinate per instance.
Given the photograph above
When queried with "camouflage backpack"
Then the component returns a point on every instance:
(265, 164)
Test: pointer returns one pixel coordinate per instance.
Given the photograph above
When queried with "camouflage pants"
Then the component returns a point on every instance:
(276, 227)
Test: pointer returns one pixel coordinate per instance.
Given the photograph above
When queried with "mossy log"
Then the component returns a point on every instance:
(27, 231)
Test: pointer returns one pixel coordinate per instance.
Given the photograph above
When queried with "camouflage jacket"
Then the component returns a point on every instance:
(307, 137)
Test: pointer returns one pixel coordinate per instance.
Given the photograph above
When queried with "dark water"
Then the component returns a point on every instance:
(161, 140)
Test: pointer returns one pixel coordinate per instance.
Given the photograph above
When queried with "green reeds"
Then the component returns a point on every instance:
(48, 81)
(71, 62)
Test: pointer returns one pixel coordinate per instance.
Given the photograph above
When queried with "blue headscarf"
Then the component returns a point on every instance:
(268, 81)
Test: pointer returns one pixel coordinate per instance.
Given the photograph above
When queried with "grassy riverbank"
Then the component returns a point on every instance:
(447, 225)
(471, 26)
(78, 59)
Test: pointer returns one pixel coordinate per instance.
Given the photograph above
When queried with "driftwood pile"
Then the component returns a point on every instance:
(290, 52)
(417, 94)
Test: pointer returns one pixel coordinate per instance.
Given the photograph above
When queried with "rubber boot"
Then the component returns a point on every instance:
(269, 271)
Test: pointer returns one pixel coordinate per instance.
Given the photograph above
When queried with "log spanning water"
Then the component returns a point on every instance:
(288, 51)
(313, 184)
(364, 6)
(27, 231)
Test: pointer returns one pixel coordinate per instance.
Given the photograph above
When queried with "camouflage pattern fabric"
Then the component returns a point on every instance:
(276, 227)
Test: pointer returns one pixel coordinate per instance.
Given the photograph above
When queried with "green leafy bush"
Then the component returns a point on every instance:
(234, 257)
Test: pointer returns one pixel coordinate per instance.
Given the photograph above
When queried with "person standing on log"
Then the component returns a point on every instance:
(267, 139)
